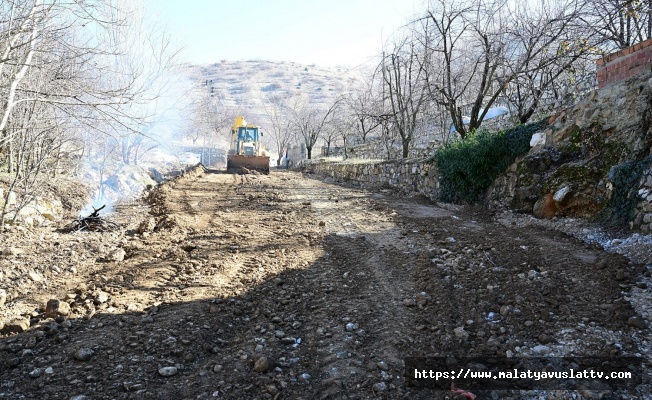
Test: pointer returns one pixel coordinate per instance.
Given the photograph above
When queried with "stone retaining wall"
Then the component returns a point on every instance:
(643, 216)
(406, 176)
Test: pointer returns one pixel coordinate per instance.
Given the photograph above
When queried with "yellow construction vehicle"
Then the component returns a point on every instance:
(246, 152)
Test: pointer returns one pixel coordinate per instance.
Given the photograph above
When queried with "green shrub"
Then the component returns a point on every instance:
(468, 167)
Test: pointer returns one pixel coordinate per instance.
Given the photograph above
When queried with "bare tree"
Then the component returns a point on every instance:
(402, 78)
(618, 23)
(329, 136)
(144, 62)
(550, 73)
(363, 107)
(279, 116)
(389, 135)
(310, 120)
(20, 34)
(42, 69)
(476, 49)
(563, 78)
(344, 125)
(60, 82)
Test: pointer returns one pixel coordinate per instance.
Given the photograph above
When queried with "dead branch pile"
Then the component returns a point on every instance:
(92, 223)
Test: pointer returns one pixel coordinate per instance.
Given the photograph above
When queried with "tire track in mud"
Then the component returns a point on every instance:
(366, 319)
(365, 278)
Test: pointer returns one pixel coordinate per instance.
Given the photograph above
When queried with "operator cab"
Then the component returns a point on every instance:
(248, 137)
(248, 134)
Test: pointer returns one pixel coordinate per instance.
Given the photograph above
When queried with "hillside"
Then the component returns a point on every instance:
(241, 87)
(592, 162)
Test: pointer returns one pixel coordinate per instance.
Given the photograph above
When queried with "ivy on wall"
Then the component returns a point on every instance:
(625, 178)
(468, 167)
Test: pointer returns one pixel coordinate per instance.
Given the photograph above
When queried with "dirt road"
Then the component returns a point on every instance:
(286, 287)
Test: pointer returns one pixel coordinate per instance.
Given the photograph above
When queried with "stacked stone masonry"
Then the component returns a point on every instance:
(643, 218)
(405, 176)
(568, 172)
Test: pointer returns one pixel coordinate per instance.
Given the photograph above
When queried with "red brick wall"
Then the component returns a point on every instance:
(624, 63)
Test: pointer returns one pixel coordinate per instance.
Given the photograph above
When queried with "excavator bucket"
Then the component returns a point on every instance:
(242, 164)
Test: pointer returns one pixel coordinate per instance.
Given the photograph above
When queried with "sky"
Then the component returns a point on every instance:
(324, 32)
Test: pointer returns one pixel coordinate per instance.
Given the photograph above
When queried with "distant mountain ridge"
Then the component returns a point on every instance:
(241, 87)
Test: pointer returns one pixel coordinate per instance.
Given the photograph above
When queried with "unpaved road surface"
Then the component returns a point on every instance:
(286, 287)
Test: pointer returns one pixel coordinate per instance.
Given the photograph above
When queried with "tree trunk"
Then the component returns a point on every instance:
(57, 163)
(10, 167)
(649, 19)
(528, 114)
